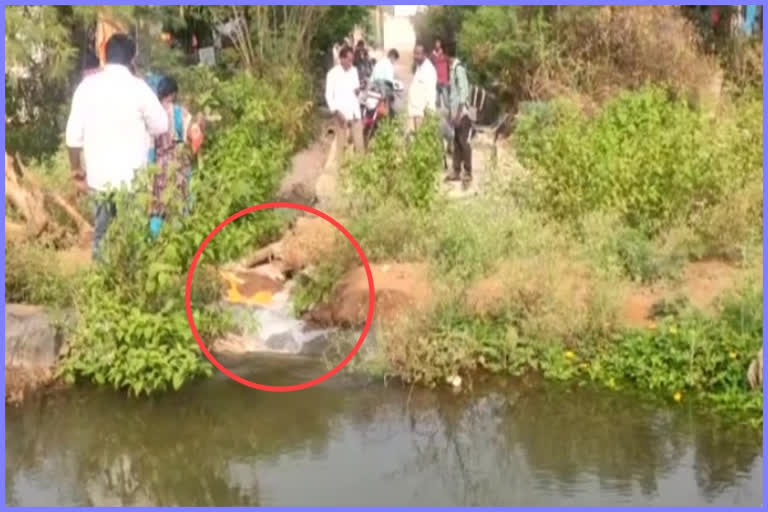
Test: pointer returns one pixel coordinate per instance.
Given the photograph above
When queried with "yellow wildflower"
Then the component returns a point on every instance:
(569, 354)
(677, 396)
(733, 355)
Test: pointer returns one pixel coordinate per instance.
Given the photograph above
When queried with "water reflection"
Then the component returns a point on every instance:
(348, 443)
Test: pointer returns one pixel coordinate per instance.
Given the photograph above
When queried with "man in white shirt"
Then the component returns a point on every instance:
(113, 119)
(342, 85)
(384, 70)
(422, 95)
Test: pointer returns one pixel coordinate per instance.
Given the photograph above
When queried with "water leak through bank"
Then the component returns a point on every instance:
(272, 327)
(351, 442)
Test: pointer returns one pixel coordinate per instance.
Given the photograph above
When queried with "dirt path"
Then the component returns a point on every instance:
(308, 166)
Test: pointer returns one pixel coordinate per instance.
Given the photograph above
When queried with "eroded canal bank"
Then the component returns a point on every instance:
(353, 442)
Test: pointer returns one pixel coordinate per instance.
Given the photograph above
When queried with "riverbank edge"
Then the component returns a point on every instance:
(35, 341)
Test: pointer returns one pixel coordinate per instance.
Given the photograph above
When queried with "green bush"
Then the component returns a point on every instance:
(610, 242)
(540, 52)
(133, 331)
(397, 167)
(505, 46)
(645, 155)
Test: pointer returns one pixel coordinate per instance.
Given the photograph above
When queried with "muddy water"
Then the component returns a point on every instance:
(351, 442)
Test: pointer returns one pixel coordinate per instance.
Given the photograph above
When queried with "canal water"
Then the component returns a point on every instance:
(357, 442)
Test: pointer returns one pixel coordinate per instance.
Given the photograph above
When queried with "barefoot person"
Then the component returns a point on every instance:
(342, 85)
(108, 131)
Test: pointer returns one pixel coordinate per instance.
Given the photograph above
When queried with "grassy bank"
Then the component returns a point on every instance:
(540, 273)
(588, 257)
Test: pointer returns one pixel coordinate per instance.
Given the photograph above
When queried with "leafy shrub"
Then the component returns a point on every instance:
(505, 47)
(707, 358)
(314, 288)
(133, 331)
(645, 155)
(612, 243)
(540, 52)
(402, 168)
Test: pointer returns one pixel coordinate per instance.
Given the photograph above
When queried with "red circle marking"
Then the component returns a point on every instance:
(333, 371)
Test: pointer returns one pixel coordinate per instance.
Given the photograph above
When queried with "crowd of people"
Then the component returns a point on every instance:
(439, 85)
(121, 121)
(118, 124)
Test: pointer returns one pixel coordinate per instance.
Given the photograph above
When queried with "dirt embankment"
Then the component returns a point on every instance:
(702, 283)
(263, 273)
(400, 289)
(557, 288)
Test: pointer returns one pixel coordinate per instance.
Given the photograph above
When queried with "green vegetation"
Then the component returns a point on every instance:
(46, 46)
(132, 331)
(401, 169)
(399, 174)
(30, 277)
(649, 157)
(629, 176)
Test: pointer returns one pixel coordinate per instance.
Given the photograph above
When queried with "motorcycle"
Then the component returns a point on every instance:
(376, 102)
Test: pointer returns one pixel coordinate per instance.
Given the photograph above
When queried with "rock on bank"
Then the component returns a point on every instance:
(33, 344)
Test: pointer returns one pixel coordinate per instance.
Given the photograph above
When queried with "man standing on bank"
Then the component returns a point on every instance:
(422, 94)
(114, 115)
(442, 67)
(342, 85)
(459, 116)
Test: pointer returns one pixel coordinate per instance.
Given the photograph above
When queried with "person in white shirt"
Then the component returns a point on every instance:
(114, 115)
(342, 85)
(384, 70)
(383, 75)
(422, 95)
